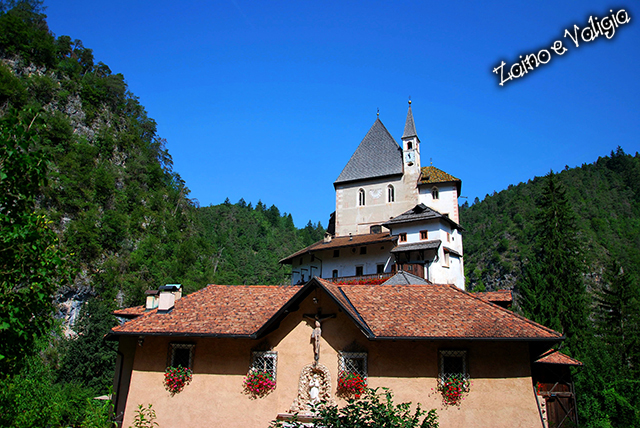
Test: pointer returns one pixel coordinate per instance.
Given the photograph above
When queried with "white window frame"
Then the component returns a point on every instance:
(361, 198)
(265, 361)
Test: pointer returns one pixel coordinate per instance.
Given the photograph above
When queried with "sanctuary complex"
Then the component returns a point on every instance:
(392, 214)
(379, 303)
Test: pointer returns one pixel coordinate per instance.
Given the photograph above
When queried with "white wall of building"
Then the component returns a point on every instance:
(346, 263)
(437, 271)
(447, 202)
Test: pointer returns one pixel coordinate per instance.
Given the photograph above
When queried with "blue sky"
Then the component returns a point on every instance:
(268, 100)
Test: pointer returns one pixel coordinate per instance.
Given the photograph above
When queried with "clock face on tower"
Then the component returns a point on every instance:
(410, 157)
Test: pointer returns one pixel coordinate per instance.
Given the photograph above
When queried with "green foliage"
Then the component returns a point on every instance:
(32, 398)
(374, 409)
(553, 288)
(87, 359)
(605, 196)
(618, 320)
(145, 417)
(30, 261)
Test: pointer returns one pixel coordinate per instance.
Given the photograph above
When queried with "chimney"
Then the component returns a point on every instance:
(152, 299)
(169, 294)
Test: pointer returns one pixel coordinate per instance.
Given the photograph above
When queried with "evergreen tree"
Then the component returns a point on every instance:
(553, 291)
(618, 320)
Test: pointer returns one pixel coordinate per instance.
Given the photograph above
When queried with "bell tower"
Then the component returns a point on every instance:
(410, 146)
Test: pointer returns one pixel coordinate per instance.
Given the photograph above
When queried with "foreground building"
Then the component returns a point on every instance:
(407, 334)
(391, 215)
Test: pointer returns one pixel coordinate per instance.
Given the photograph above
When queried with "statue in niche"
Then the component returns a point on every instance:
(314, 388)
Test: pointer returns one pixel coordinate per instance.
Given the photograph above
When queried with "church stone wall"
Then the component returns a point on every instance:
(501, 392)
(356, 219)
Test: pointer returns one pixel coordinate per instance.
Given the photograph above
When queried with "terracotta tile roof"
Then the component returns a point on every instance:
(555, 357)
(432, 312)
(495, 296)
(216, 310)
(132, 312)
(382, 312)
(342, 242)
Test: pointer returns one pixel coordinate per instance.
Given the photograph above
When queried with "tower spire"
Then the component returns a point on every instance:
(409, 127)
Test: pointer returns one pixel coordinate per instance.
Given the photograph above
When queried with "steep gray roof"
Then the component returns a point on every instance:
(405, 278)
(378, 155)
(418, 213)
(417, 246)
(409, 127)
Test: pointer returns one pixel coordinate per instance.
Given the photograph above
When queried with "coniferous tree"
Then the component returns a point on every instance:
(553, 291)
(618, 320)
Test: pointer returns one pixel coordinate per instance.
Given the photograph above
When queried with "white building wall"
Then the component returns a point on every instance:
(447, 202)
(437, 271)
(346, 263)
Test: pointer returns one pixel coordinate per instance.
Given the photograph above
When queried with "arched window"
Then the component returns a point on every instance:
(409, 145)
(361, 197)
(434, 193)
(391, 194)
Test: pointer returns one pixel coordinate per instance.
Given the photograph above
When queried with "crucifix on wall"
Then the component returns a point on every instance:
(317, 331)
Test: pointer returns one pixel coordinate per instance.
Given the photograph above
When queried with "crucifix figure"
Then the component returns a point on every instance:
(317, 331)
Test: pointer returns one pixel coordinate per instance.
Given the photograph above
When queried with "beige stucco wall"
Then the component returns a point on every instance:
(501, 392)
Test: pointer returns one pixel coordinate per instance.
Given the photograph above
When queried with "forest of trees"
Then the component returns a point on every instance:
(92, 214)
(569, 246)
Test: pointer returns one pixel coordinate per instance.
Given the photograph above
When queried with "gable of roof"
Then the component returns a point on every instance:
(382, 312)
(433, 175)
(378, 155)
(556, 357)
(342, 242)
(420, 212)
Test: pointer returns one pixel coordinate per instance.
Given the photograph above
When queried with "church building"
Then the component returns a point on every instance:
(391, 215)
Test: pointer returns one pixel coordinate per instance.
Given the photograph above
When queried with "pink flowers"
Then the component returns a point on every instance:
(176, 378)
(259, 383)
(351, 385)
(453, 389)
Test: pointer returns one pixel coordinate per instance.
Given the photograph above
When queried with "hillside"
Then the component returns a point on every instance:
(92, 214)
(605, 196)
